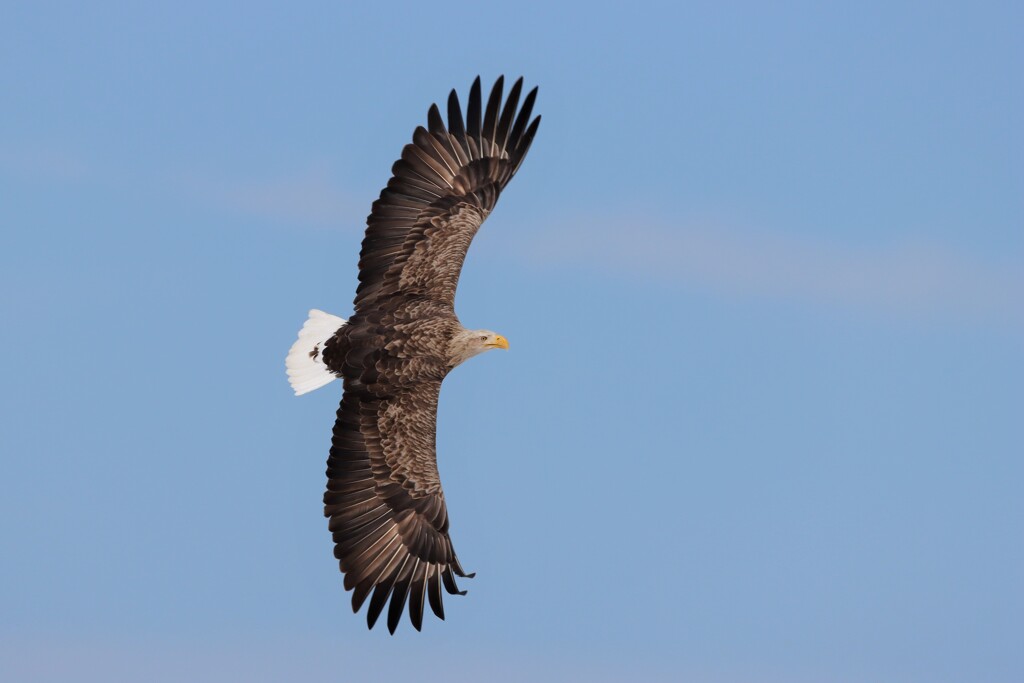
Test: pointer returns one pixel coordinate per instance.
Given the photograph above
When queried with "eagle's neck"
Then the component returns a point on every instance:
(464, 345)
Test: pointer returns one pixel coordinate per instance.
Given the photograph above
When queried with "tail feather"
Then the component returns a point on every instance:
(305, 362)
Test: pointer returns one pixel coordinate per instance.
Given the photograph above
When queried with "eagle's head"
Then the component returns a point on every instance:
(469, 343)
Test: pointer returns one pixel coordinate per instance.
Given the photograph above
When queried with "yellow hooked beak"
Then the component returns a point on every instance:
(498, 342)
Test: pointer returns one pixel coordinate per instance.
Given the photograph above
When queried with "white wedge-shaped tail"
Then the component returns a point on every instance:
(305, 361)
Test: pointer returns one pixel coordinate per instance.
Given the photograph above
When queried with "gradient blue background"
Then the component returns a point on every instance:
(762, 273)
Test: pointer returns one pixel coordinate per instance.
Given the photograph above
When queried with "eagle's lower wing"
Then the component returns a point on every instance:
(385, 503)
(441, 191)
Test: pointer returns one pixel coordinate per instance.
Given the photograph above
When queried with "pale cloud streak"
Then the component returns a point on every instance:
(915, 278)
(50, 163)
(311, 198)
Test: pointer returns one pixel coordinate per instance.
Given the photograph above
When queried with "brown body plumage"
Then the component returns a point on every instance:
(384, 500)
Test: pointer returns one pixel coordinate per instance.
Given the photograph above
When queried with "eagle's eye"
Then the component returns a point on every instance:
(483, 338)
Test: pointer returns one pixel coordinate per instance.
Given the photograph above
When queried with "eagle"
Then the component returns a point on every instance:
(384, 501)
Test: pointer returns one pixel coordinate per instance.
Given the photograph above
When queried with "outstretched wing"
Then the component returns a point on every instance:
(385, 503)
(441, 191)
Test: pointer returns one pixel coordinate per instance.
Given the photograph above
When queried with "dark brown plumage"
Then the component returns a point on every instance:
(384, 499)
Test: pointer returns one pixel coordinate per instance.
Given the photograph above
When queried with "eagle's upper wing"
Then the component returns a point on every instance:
(385, 503)
(440, 192)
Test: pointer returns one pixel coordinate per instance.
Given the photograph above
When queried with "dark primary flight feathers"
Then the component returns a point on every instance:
(442, 172)
(384, 500)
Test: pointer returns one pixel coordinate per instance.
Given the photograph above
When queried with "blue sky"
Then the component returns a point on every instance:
(763, 415)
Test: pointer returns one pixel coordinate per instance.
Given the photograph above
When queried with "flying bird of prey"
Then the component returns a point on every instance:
(384, 499)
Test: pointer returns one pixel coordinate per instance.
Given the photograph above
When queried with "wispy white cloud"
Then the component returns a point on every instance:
(46, 162)
(313, 197)
(917, 278)
(245, 658)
